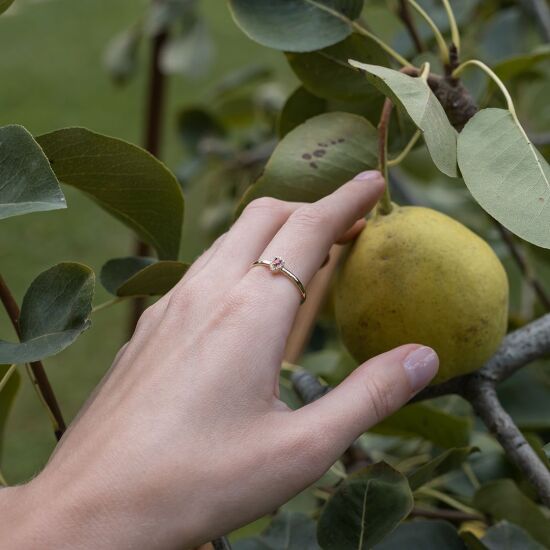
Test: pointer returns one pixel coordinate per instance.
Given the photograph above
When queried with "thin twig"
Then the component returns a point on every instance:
(404, 14)
(384, 205)
(36, 367)
(151, 141)
(455, 516)
(523, 265)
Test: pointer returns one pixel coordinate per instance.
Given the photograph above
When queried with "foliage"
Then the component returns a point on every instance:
(428, 471)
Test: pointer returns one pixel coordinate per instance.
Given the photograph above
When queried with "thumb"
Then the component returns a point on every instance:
(372, 392)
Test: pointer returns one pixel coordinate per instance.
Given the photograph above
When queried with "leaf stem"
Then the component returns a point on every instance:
(39, 376)
(492, 75)
(388, 49)
(509, 103)
(450, 501)
(403, 154)
(6, 376)
(443, 49)
(109, 303)
(455, 33)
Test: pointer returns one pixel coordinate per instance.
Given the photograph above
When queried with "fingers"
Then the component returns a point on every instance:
(305, 239)
(371, 393)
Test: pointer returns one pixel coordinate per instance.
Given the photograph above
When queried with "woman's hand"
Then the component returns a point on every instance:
(186, 438)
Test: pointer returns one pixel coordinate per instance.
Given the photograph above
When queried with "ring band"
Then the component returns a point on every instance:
(277, 265)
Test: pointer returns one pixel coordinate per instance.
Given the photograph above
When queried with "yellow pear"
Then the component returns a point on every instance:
(418, 276)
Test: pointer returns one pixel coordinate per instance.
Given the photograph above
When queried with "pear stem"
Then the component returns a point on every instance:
(384, 205)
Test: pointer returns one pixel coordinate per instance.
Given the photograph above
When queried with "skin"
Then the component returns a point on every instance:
(186, 439)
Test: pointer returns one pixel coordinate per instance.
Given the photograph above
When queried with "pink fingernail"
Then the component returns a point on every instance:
(421, 366)
(369, 175)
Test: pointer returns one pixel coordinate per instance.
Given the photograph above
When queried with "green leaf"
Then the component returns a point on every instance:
(414, 96)
(27, 183)
(509, 536)
(316, 158)
(423, 535)
(124, 180)
(364, 509)
(300, 106)
(288, 531)
(506, 175)
(326, 73)
(519, 64)
(195, 125)
(426, 421)
(526, 397)
(121, 54)
(8, 392)
(55, 310)
(189, 54)
(503, 500)
(5, 4)
(139, 276)
(296, 25)
(161, 15)
(445, 462)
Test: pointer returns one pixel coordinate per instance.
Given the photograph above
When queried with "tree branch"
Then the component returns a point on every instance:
(37, 368)
(486, 404)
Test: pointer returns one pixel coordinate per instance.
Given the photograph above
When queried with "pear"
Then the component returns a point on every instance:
(418, 276)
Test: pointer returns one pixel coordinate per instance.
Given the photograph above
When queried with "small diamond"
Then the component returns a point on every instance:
(276, 264)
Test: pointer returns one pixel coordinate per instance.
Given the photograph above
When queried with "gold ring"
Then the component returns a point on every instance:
(277, 265)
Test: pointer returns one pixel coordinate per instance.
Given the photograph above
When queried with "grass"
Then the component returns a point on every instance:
(51, 76)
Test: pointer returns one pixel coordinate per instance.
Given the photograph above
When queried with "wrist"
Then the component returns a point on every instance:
(44, 514)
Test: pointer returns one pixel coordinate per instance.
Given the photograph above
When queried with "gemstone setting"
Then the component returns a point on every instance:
(276, 264)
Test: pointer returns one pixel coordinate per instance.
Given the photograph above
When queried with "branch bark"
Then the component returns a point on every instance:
(484, 399)
(37, 368)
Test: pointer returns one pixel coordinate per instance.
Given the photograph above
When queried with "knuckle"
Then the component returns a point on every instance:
(267, 205)
(379, 398)
(148, 320)
(182, 296)
(311, 216)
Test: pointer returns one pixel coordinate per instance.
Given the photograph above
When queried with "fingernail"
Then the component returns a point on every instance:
(421, 366)
(369, 175)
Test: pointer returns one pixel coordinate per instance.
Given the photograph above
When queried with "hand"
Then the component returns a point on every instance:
(186, 438)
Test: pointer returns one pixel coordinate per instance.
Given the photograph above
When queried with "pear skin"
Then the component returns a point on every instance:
(418, 276)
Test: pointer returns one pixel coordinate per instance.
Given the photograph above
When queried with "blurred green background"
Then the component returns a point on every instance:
(52, 76)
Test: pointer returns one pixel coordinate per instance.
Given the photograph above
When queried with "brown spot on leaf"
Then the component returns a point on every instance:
(541, 199)
(319, 153)
(313, 165)
(341, 140)
(322, 145)
(306, 156)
